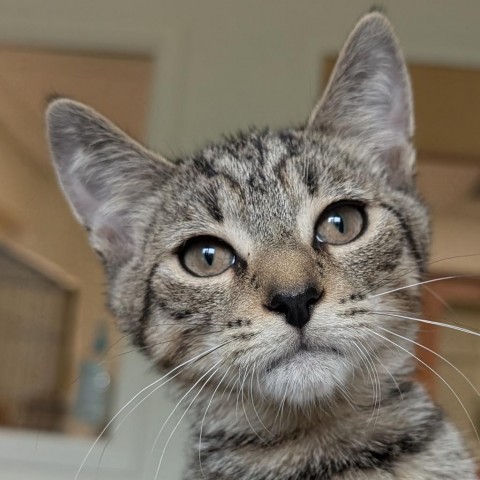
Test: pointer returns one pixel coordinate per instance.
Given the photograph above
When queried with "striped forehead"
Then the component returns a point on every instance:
(268, 177)
(255, 183)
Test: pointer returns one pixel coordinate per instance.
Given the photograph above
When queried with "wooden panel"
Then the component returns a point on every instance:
(8, 224)
(447, 110)
(119, 87)
(33, 213)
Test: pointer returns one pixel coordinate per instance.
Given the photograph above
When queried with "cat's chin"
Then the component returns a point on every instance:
(306, 377)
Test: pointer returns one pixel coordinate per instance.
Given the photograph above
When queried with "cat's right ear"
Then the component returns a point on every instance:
(369, 97)
(105, 175)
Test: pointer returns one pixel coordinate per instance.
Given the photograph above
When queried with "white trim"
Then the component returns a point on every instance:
(125, 458)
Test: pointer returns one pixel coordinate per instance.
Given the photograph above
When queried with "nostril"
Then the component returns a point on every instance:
(312, 296)
(295, 308)
(278, 304)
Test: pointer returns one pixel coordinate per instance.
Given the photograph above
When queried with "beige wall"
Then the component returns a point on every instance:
(224, 64)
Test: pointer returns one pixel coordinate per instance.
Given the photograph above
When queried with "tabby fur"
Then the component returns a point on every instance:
(335, 399)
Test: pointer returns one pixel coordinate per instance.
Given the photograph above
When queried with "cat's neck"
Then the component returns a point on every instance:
(240, 429)
(266, 418)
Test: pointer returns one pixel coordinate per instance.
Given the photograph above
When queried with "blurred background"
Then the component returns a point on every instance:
(176, 74)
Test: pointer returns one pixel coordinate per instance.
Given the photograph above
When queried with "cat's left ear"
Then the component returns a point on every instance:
(369, 97)
(107, 177)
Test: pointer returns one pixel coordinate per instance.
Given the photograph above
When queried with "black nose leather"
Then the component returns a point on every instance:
(296, 308)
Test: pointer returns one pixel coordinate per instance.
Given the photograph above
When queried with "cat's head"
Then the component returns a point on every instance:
(267, 251)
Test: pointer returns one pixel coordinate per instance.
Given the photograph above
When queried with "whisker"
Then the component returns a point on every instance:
(453, 257)
(390, 373)
(392, 278)
(226, 387)
(363, 361)
(122, 421)
(425, 282)
(106, 359)
(431, 322)
(114, 344)
(233, 385)
(442, 301)
(185, 412)
(163, 342)
(203, 420)
(156, 382)
(259, 389)
(346, 396)
(240, 390)
(280, 408)
(157, 438)
(360, 359)
(437, 355)
(435, 373)
(376, 392)
(253, 402)
(245, 412)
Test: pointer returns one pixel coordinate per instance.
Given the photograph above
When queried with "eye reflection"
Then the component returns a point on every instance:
(340, 224)
(207, 257)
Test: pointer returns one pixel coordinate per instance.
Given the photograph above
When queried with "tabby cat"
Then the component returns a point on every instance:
(268, 275)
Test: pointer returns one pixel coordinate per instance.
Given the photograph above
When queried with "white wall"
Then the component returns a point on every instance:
(225, 64)
(228, 64)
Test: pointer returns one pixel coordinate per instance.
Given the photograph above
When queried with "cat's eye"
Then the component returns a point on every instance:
(207, 257)
(339, 224)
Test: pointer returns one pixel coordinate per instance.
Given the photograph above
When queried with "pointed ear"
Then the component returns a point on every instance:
(104, 174)
(369, 96)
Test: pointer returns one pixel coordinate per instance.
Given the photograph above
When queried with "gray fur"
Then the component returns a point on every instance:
(336, 400)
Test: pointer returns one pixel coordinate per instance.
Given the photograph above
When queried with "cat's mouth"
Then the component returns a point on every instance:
(303, 351)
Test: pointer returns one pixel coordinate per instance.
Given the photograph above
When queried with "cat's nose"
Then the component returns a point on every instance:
(296, 308)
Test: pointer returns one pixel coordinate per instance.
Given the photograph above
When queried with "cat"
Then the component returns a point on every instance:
(268, 274)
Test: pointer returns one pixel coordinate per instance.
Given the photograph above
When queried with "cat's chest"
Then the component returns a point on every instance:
(305, 458)
(301, 454)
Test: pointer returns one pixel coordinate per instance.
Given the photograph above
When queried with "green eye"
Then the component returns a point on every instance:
(340, 224)
(207, 257)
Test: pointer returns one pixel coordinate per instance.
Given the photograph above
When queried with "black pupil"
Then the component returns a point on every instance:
(337, 220)
(209, 255)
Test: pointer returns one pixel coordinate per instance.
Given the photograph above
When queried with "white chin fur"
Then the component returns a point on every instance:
(305, 378)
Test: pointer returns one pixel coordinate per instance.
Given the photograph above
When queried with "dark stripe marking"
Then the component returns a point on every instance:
(280, 170)
(291, 142)
(139, 336)
(381, 452)
(408, 234)
(257, 142)
(210, 200)
(310, 177)
(203, 166)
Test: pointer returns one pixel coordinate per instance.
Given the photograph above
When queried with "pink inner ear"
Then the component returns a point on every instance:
(84, 204)
(390, 107)
(107, 226)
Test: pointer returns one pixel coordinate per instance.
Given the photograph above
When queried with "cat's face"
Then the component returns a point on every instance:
(272, 246)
